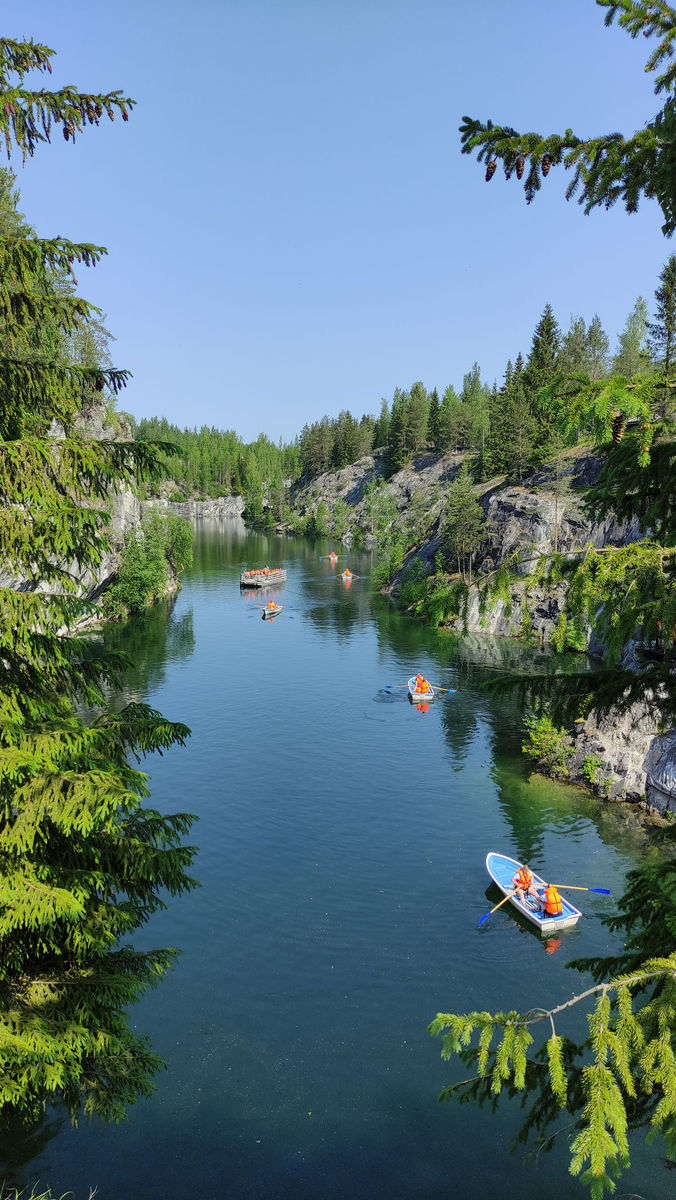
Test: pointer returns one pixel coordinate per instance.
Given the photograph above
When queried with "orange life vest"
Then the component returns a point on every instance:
(524, 878)
(553, 905)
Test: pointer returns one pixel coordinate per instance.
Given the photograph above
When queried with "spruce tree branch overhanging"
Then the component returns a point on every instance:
(84, 863)
(606, 168)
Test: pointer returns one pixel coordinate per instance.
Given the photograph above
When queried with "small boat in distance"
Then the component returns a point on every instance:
(271, 610)
(502, 870)
(419, 689)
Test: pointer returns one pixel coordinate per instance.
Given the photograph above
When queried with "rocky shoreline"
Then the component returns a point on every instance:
(627, 756)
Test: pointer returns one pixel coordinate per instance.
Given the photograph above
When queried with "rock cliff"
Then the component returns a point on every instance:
(622, 756)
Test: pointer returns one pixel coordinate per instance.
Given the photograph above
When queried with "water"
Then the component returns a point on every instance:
(342, 838)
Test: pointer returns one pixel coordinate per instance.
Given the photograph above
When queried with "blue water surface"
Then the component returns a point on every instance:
(342, 835)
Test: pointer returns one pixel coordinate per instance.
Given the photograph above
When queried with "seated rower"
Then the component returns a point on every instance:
(524, 884)
(552, 904)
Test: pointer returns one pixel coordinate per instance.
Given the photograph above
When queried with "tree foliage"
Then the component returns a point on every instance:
(608, 167)
(84, 861)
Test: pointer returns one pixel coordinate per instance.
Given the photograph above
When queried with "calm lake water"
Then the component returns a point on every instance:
(342, 837)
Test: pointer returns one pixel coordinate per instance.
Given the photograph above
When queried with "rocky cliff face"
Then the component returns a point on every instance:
(426, 475)
(622, 756)
(223, 508)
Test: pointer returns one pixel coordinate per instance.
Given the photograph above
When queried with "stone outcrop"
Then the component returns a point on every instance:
(221, 509)
(622, 756)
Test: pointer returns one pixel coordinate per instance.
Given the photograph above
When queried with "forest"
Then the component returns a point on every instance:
(506, 428)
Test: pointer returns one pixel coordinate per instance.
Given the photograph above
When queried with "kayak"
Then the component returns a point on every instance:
(502, 869)
(417, 697)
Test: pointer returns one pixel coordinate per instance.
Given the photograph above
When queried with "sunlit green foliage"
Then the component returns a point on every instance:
(162, 541)
(610, 167)
(84, 862)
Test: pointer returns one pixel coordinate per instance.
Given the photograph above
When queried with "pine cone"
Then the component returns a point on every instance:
(618, 427)
(125, 115)
(547, 161)
(65, 130)
(490, 170)
(520, 164)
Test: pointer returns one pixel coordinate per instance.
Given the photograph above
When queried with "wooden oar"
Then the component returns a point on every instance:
(440, 689)
(573, 887)
(389, 686)
(503, 901)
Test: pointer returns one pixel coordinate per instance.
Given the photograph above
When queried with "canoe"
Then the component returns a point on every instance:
(419, 697)
(272, 612)
(502, 869)
(266, 577)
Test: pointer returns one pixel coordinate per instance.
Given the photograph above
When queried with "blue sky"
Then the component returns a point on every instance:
(291, 227)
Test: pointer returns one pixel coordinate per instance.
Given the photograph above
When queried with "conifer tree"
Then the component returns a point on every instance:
(662, 330)
(463, 532)
(632, 357)
(433, 422)
(597, 348)
(609, 167)
(574, 355)
(84, 861)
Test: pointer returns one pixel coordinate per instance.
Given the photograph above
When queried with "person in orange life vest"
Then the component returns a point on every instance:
(524, 884)
(420, 683)
(271, 604)
(552, 905)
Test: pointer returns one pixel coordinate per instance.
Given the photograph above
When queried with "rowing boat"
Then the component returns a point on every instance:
(417, 696)
(502, 869)
(273, 611)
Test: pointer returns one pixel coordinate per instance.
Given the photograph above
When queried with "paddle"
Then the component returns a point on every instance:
(503, 901)
(331, 557)
(573, 887)
(389, 686)
(440, 689)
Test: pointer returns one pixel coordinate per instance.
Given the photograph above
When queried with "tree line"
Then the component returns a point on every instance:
(508, 428)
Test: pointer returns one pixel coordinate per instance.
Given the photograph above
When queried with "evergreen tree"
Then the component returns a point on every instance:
(610, 167)
(463, 531)
(398, 442)
(542, 368)
(382, 427)
(597, 346)
(632, 357)
(452, 423)
(574, 355)
(662, 330)
(84, 861)
(433, 422)
(418, 413)
(475, 400)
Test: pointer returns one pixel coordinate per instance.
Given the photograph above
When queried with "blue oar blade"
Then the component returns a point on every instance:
(484, 918)
(603, 891)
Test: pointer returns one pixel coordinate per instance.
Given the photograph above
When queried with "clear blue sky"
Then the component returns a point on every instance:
(291, 227)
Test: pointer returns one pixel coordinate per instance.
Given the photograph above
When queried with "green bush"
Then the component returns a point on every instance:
(159, 543)
(445, 602)
(569, 635)
(590, 768)
(546, 744)
(415, 584)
